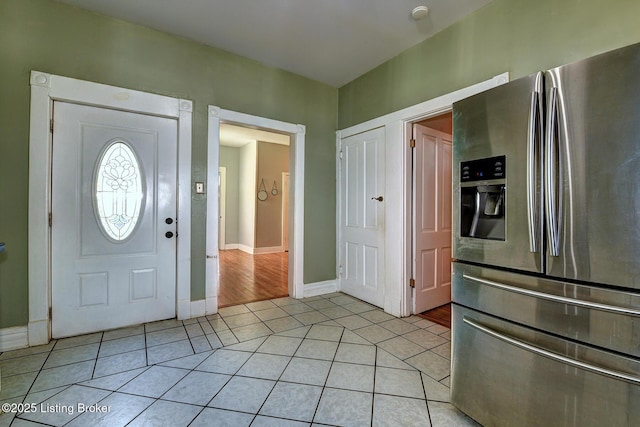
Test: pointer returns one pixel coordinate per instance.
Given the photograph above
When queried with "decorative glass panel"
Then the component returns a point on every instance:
(119, 191)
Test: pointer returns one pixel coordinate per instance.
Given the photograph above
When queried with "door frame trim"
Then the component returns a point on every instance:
(46, 88)
(297, 132)
(282, 210)
(222, 233)
(398, 176)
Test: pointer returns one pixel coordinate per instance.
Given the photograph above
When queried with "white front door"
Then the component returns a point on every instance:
(432, 218)
(113, 219)
(362, 216)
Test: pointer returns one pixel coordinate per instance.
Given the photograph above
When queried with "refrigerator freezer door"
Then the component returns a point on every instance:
(597, 316)
(593, 173)
(504, 121)
(504, 374)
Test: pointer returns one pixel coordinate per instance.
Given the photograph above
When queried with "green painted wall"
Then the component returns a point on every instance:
(229, 158)
(55, 38)
(519, 36)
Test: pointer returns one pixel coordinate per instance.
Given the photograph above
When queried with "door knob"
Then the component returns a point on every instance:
(168, 220)
(168, 234)
(379, 198)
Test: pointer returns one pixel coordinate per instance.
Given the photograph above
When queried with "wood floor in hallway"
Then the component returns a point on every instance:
(440, 315)
(247, 278)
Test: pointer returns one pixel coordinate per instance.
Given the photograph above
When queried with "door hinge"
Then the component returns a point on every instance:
(340, 154)
(51, 125)
(412, 283)
(50, 219)
(340, 270)
(50, 313)
(412, 143)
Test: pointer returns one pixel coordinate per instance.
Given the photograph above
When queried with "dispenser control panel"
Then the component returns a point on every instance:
(483, 169)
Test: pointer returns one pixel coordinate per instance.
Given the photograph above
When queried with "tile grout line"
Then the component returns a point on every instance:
(231, 376)
(375, 375)
(324, 387)
(254, 352)
(34, 381)
(189, 337)
(276, 381)
(95, 364)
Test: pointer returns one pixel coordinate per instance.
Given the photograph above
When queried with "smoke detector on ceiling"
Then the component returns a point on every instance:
(419, 13)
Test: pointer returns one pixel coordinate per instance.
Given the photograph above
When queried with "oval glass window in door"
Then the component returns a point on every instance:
(119, 191)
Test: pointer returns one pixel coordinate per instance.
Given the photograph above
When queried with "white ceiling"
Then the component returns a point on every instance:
(332, 41)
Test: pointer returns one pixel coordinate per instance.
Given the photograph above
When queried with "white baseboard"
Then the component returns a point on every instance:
(253, 251)
(268, 250)
(13, 338)
(184, 310)
(320, 288)
(245, 248)
(39, 332)
(211, 305)
(198, 308)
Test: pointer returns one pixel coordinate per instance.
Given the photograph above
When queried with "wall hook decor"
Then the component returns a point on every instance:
(274, 189)
(262, 191)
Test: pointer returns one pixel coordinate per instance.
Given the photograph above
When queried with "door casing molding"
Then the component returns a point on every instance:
(297, 132)
(222, 196)
(46, 88)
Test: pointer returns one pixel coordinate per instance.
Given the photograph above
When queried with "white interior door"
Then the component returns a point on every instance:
(113, 219)
(432, 218)
(362, 216)
(285, 211)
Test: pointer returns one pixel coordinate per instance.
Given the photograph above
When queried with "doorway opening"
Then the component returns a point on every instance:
(263, 186)
(253, 214)
(431, 212)
(398, 177)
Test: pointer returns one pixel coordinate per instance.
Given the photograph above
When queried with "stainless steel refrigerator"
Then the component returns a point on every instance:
(546, 243)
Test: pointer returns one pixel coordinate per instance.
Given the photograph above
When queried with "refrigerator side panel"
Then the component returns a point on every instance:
(595, 165)
(488, 126)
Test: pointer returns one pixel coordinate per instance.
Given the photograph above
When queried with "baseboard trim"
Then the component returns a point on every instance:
(184, 310)
(230, 246)
(38, 332)
(198, 308)
(14, 338)
(268, 250)
(247, 249)
(211, 305)
(320, 288)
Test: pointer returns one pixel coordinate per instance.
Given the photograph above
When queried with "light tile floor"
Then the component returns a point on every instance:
(327, 360)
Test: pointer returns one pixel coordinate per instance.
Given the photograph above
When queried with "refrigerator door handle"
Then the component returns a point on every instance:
(552, 355)
(532, 169)
(550, 175)
(556, 298)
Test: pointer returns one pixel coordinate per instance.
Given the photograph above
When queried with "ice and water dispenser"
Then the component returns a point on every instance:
(482, 198)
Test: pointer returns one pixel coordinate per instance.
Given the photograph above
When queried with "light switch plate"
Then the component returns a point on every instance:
(200, 187)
